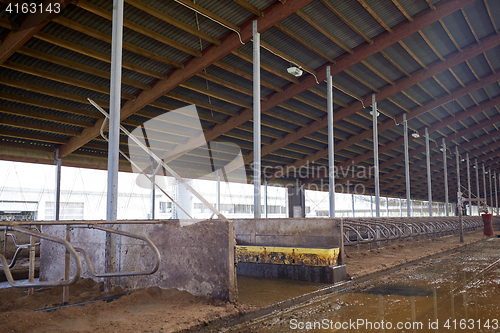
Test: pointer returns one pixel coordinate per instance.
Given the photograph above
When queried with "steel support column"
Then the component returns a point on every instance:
(387, 203)
(468, 184)
(484, 185)
(375, 157)
(217, 189)
(491, 189)
(459, 209)
(153, 190)
(477, 183)
(496, 191)
(331, 142)
(114, 135)
(256, 122)
(57, 190)
(445, 172)
(400, 205)
(407, 166)
(265, 197)
(428, 156)
(352, 196)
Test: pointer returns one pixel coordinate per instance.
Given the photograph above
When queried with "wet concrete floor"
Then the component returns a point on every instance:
(457, 293)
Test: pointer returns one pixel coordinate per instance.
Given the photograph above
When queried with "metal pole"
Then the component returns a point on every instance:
(153, 189)
(445, 170)
(428, 154)
(352, 196)
(217, 189)
(57, 206)
(331, 142)
(468, 184)
(407, 167)
(114, 135)
(477, 183)
(375, 156)
(484, 185)
(491, 189)
(57, 191)
(400, 206)
(256, 121)
(371, 203)
(459, 193)
(265, 197)
(387, 203)
(496, 190)
(421, 206)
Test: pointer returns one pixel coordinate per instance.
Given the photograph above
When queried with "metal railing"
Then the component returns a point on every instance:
(357, 231)
(22, 227)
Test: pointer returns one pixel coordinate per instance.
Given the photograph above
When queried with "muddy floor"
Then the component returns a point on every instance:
(156, 310)
(454, 293)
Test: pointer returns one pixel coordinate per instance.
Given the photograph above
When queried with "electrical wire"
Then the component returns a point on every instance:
(207, 16)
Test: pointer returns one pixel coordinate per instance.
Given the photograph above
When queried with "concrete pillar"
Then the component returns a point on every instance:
(296, 201)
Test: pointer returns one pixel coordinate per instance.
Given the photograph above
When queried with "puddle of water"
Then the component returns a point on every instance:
(459, 293)
(261, 291)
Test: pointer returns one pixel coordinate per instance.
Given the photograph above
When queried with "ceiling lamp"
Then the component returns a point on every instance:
(415, 135)
(294, 71)
(371, 113)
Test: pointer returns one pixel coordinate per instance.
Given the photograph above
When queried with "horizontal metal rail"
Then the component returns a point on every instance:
(19, 247)
(384, 229)
(129, 273)
(69, 248)
(20, 226)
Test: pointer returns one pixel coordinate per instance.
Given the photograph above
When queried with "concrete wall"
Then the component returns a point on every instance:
(301, 232)
(195, 256)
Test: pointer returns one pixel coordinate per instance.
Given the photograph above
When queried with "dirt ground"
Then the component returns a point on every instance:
(157, 310)
(146, 310)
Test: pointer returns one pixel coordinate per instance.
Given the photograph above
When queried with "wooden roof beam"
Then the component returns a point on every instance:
(347, 21)
(274, 14)
(97, 55)
(30, 25)
(375, 15)
(173, 21)
(416, 112)
(251, 8)
(325, 32)
(491, 16)
(138, 28)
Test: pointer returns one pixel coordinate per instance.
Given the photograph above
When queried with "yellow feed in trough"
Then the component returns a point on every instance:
(287, 255)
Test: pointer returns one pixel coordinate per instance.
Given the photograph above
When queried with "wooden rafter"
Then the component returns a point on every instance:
(375, 15)
(325, 32)
(173, 21)
(278, 12)
(96, 55)
(107, 38)
(31, 25)
(248, 6)
(346, 21)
